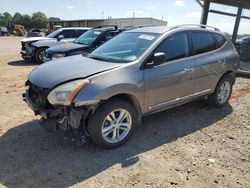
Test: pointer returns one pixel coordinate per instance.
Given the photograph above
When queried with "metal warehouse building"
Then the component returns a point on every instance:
(111, 21)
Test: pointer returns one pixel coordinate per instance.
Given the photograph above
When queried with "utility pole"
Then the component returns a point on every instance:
(133, 18)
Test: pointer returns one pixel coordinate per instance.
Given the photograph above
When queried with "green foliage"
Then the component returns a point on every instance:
(26, 21)
(7, 17)
(39, 20)
(54, 19)
(2, 21)
(17, 18)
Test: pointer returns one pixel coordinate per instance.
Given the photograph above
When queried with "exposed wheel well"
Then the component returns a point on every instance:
(230, 74)
(130, 99)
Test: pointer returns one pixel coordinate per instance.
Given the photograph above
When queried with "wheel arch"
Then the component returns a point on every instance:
(131, 99)
(230, 74)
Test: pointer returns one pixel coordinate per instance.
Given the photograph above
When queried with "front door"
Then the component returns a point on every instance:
(169, 83)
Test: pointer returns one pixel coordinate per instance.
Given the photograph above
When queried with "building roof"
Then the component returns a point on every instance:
(82, 20)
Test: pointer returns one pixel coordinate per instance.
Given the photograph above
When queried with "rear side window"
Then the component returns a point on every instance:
(203, 42)
(67, 33)
(72, 33)
(78, 33)
(220, 39)
(175, 46)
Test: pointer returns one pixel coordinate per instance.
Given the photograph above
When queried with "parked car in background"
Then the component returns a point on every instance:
(243, 47)
(3, 31)
(34, 47)
(86, 43)
(36, 33)
(138, 72)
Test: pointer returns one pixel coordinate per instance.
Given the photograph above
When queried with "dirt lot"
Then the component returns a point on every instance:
(190, 146)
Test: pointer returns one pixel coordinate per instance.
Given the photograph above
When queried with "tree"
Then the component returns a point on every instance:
(17, 18)
(39, 20)
(2, 21)
(54, 19)
(6, 20)
(7, 17)
(26, 21)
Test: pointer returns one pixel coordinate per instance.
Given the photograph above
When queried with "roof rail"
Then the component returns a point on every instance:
(194, 25)
(130, 27)
(101, 26)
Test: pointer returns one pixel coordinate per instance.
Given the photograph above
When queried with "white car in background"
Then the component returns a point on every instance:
(34, 47)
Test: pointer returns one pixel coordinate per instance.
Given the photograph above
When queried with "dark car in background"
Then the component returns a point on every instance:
(243, 47)
(36, 33)
(3, 31)
(83, 44)
(34, 47)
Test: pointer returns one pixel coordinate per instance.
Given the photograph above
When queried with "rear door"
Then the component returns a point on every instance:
(169, 83)
(207, 59)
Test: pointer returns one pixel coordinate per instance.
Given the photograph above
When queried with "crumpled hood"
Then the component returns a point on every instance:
(67, 47)
(50, 74)
(30, 39)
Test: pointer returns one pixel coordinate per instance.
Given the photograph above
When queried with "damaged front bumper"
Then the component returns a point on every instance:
(60, 118)
(27, 52)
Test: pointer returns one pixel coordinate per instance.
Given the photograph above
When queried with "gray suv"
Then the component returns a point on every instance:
(139, 72)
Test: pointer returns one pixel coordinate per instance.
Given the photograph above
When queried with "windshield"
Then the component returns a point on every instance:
(124, 48)
(54, 34)
(88, 37)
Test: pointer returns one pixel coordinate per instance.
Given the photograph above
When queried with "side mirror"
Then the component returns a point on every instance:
(159, 58)
(60, 37)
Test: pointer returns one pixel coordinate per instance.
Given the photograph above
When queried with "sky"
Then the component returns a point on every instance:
(173, 11)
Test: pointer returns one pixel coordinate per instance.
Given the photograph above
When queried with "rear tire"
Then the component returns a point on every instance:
(112, 124)
(222, 93)
(39, 55)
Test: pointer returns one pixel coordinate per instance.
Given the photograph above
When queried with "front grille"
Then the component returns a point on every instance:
(38, 95)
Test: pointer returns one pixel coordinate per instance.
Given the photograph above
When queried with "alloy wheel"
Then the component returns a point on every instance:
(116, 125)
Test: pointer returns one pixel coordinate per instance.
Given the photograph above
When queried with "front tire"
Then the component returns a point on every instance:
(112, 124)
(222, 93)
(39, 55)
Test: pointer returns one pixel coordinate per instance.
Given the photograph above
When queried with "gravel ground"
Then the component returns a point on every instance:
(190, 146)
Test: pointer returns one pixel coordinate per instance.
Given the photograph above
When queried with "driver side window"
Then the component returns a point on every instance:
(175, 46)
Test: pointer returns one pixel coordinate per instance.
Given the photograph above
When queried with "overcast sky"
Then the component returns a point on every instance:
(173, 11)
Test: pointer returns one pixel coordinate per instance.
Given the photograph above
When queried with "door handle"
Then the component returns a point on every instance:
(188, 69)
(222, 60)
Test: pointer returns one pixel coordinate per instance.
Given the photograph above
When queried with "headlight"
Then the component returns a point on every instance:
(65, 93)
(59, 55)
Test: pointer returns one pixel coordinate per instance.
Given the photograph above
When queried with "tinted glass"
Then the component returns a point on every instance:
(110, 35)
(125, 47)
(220, 39)
(175, 46)
(203, 42)
(55, 34)
(69, 33)
(78, 33)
